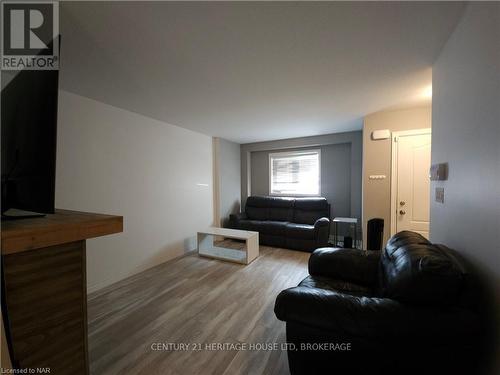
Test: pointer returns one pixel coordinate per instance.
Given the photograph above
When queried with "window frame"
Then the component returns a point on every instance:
(293, 153)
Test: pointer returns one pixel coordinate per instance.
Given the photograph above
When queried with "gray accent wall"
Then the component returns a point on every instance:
(229, 179)
(466, 135)
(335, 175)
(341, 160)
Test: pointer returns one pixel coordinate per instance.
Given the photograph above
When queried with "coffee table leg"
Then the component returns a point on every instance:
(252, 245)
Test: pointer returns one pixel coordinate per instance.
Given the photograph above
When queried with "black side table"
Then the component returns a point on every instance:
(353, 223)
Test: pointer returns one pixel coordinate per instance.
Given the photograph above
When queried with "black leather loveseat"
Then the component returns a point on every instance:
(294, 223)
(415, 308)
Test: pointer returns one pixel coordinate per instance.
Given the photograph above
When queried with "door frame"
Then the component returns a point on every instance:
(394, 169)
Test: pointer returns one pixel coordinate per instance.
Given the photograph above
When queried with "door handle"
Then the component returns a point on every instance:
(402, 212)
(402, 203)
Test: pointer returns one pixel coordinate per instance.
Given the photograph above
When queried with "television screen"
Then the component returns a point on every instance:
(29, 133)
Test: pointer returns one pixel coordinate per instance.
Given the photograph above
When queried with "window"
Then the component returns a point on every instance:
(295, 173)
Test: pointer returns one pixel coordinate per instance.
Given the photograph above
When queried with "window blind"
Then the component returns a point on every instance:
(295, 173)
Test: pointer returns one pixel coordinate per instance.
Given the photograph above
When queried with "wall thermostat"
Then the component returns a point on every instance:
(439, 172)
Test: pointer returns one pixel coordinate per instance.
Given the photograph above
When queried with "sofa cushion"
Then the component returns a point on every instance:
(276, 228)
(281, 208)
(248, 224)
(302, 231)
(257, 213)
(257, 208)
(357, 266)
(258, 201)
(308, 210)
(417, 272)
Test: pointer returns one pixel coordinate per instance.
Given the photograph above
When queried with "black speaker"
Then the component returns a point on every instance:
(348, 242)
(375, 232)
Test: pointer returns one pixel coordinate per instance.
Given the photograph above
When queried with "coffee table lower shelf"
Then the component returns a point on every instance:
(223, 253)
(217, 243)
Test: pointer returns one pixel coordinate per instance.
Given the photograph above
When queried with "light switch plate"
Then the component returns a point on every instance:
(439, 195)
(439, 172)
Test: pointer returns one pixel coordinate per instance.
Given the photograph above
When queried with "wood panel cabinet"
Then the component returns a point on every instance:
(44, 297)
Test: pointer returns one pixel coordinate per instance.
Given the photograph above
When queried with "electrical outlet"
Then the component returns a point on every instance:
(439, 195)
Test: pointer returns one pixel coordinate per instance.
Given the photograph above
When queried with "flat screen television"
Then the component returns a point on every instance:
(29, 134)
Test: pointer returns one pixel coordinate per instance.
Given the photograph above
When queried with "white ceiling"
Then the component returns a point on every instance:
(254, 71)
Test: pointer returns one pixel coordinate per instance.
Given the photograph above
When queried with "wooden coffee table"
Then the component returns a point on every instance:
(212, 243)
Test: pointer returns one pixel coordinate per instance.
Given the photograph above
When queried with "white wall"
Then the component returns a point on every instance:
(466, 134)
(114, 161)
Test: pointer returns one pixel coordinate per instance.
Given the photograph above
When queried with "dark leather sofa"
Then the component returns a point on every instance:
(414, 308)
(293, 223)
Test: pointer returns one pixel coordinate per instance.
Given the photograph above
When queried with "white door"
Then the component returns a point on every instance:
(412, 199)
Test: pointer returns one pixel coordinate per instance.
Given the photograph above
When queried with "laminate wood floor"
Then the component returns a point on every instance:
(194, 300)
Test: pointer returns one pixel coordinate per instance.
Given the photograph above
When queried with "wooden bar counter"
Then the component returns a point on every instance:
(44, 288)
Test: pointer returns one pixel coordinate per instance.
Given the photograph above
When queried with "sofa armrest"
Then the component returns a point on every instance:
(235, 218)
(238, 216)
(369, 317)
(352, 265)
(322, 222)
(331, 310)
(322, 231)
